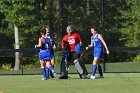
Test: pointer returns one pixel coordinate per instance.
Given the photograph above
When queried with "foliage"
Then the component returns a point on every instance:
(137, 58)
(29, 66)
(28, 16)
(131, 23)
(6, 66)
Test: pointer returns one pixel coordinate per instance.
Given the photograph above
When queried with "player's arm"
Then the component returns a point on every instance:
(64, 44)
(54, 46)
(102, 40)
(40, 41)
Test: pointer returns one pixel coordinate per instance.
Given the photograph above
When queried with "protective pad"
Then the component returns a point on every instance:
(80, 66)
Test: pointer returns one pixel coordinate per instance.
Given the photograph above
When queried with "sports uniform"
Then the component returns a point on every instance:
(98, 42)
(98, 49)
(46, 56)
(72, 40)
(51, 43)
(69, 43)
(45, 52)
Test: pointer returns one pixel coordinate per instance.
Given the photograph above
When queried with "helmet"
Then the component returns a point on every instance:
(69, 29)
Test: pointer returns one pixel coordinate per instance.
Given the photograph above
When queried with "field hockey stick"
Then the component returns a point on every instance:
(84, 51)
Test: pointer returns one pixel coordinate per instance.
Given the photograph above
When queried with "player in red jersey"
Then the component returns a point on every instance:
(71, 43)
(72, 39)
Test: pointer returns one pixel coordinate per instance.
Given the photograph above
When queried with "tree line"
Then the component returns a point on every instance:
(121, 18)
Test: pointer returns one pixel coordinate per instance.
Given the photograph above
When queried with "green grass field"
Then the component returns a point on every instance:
(112, 83)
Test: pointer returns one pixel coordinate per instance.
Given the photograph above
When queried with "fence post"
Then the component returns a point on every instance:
(104, 62)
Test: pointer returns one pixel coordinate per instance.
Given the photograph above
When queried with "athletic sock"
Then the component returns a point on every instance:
(43, 72)
(52, 70)
(100, 70)
(94, 67)
(47, 72)
(50, 73)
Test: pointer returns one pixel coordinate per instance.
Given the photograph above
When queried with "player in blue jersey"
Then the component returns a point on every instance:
(45, 56)
(51, 45)
(98, 42)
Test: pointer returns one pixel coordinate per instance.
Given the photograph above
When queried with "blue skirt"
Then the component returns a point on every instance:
(45, 55)
(98, 52)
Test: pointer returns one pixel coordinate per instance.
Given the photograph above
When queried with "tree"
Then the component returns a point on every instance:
(131, 23)
(22, 15)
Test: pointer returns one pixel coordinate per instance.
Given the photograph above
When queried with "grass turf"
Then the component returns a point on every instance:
(112, 83)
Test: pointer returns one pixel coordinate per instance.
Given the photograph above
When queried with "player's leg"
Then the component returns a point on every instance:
(79, 65)
(100, 70)
(98, 64)
(52, 63)
(63, 69)
(42, 56)
(94, 67)
(96, 61)
(83, 66)
(50, 67)
(43, 70)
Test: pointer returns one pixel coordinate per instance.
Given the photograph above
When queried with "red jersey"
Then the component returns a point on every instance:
(72, 40)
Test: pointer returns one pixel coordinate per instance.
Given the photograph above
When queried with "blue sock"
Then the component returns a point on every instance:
(47, 72)
(50, 73)
(43, 72)
(100, 70)
(94, 67)
(51, 69)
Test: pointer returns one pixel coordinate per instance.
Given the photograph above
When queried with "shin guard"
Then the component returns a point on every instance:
(80, 67)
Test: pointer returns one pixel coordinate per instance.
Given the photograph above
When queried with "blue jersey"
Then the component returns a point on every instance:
(45, 53)
(96, 42)
(51, 43)
(97, 46)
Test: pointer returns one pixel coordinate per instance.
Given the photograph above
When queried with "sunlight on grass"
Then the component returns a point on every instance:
(112, 83)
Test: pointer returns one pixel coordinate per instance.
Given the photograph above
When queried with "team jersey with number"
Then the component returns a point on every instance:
(96, 42)
(45, 53)
(51, 43)
(72, 40)
(98, 50)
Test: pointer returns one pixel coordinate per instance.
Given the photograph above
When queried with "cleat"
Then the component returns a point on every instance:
(63, 77)
(92, 77)
(43, 79)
